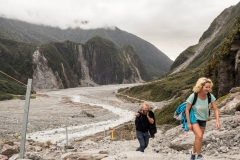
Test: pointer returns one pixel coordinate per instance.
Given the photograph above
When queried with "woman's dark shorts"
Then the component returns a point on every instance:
(202, 124)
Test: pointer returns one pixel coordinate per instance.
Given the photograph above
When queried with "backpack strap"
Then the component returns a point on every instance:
(209, 97)
(195, 98)
(209, 101)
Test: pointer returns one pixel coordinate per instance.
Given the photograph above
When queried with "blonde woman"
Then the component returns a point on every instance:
(200, 109)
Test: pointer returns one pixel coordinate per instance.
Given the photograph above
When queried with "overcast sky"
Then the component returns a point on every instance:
(170, 25)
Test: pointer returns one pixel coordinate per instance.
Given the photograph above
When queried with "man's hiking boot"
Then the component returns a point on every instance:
(192, 156)
(199, 156)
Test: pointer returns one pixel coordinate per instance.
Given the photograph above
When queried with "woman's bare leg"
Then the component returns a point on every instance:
(197, 144)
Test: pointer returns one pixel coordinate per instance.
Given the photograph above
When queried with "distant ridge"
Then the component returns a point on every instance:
(156, 62)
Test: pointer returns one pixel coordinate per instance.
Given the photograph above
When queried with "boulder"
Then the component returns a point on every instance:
(9, 150)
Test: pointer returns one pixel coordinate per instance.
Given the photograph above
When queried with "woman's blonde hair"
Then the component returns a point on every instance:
(200, 83)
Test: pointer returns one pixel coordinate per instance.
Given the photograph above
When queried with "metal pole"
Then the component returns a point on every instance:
(66, 137)
(25, 118)
(104, 133)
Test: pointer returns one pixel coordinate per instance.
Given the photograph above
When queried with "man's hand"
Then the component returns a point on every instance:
(137, 114)
(151, 120)
(147, 113)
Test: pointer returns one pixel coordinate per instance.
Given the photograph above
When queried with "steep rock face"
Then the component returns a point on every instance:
(135, 65)
(50, 74)
(104, 68)
(67, 64)
(85, 80)
(43, 76)
(98, 62)
(229, 68)
(237, 60)
(108, 65)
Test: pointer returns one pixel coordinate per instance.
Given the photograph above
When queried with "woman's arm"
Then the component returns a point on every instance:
(187, 113)
(216, 112)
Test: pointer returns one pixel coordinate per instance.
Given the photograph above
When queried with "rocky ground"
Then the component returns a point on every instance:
(51, 111)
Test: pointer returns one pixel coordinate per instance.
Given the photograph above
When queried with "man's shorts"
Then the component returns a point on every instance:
(202, 124)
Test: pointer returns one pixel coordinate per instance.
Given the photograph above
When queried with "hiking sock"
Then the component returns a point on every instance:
(199, 156)
(193, 153)
(192, 156)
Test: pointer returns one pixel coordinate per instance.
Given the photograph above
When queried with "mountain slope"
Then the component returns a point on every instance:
(67, 64)
(156, 62)
(185, 58)
(217, 57)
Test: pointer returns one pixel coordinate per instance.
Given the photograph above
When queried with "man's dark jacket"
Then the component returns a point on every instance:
(151, 127)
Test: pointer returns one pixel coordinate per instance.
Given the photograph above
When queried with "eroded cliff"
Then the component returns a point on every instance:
(98, 62)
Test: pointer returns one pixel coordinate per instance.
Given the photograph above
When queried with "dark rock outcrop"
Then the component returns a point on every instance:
(98, 62)
(229, 68)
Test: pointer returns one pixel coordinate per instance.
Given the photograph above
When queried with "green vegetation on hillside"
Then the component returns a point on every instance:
(16, 57)
(15, 61)
(10, 87)
(164, 89)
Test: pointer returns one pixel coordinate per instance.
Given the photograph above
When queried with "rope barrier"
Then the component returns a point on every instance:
(13, 78)
(16, 80)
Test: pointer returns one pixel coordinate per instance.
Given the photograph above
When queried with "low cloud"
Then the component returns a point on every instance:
(164, 23)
